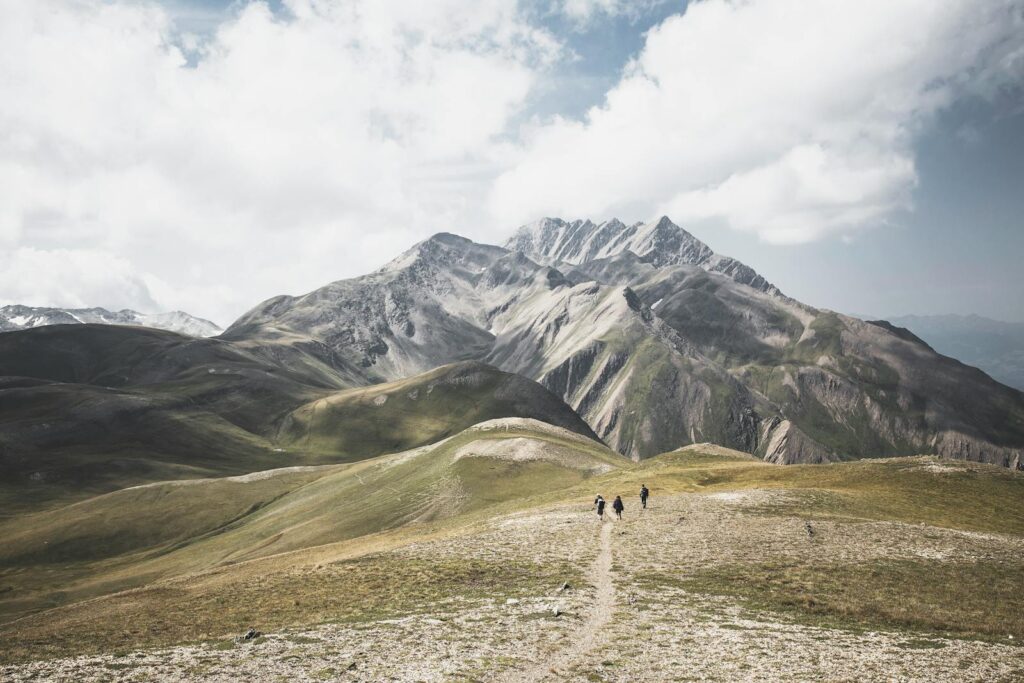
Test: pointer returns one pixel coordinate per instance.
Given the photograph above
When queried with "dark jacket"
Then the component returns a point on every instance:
(618, 506)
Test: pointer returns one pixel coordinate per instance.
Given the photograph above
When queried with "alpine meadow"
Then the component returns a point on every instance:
(588, 448)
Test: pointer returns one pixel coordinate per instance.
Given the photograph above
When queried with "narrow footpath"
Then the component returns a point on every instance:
(592, 633)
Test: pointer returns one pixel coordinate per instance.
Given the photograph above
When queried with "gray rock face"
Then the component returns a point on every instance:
(17, 317)
(660, 243)
(657, 342)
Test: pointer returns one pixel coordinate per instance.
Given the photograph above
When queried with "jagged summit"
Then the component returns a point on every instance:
(579, 241)
(661, 243)
(448, 250)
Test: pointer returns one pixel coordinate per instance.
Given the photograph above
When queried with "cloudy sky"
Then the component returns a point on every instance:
(864, 155)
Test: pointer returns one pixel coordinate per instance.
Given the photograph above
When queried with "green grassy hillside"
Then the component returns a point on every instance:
(64, 442)
(244, 385)
(275, 548)
(88, 409)
(386, 418)
(132, 536)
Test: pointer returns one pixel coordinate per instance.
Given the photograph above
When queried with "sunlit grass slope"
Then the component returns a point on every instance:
(303, 546)
(386, 418)
(131, 536)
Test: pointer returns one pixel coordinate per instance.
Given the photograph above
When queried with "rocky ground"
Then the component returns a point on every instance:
(633, 617)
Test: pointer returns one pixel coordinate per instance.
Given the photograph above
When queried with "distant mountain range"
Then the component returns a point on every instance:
(18, 317)
(994, 346)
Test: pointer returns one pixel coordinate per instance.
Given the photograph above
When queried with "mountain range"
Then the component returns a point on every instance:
(17, 317)
(639, 336)
(656, 342)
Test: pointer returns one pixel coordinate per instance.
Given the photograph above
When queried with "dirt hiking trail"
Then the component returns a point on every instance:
(592, 632)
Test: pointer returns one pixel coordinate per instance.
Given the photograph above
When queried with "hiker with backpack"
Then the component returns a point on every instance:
(599, 504)
(644, 492)
(618, 506)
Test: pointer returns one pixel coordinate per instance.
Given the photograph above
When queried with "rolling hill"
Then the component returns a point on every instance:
(136, 534)
(479, 557)
(419, 410)
(91, 408)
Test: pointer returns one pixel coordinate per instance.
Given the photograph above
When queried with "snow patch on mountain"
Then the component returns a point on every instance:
(17, 317)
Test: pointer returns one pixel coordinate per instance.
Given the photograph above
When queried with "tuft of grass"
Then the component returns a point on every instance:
(921, 644)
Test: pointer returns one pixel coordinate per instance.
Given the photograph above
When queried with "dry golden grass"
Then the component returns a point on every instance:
(318, 551)
(961, 599)
(225, 604)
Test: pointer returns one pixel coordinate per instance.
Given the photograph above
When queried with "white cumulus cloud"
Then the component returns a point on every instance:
(289, 149)
(71, 278)
(789, 119)
(309, 140)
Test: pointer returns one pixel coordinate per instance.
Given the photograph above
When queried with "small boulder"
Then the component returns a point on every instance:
(251, 634)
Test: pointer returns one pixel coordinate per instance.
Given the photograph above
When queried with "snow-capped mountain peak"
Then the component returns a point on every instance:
(17, 317)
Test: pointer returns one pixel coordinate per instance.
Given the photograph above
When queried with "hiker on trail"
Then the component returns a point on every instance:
(618, 506)
(643, 495)
(599, 504)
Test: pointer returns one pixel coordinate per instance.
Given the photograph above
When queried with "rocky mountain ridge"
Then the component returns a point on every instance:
(657, 342)
(660, 243)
